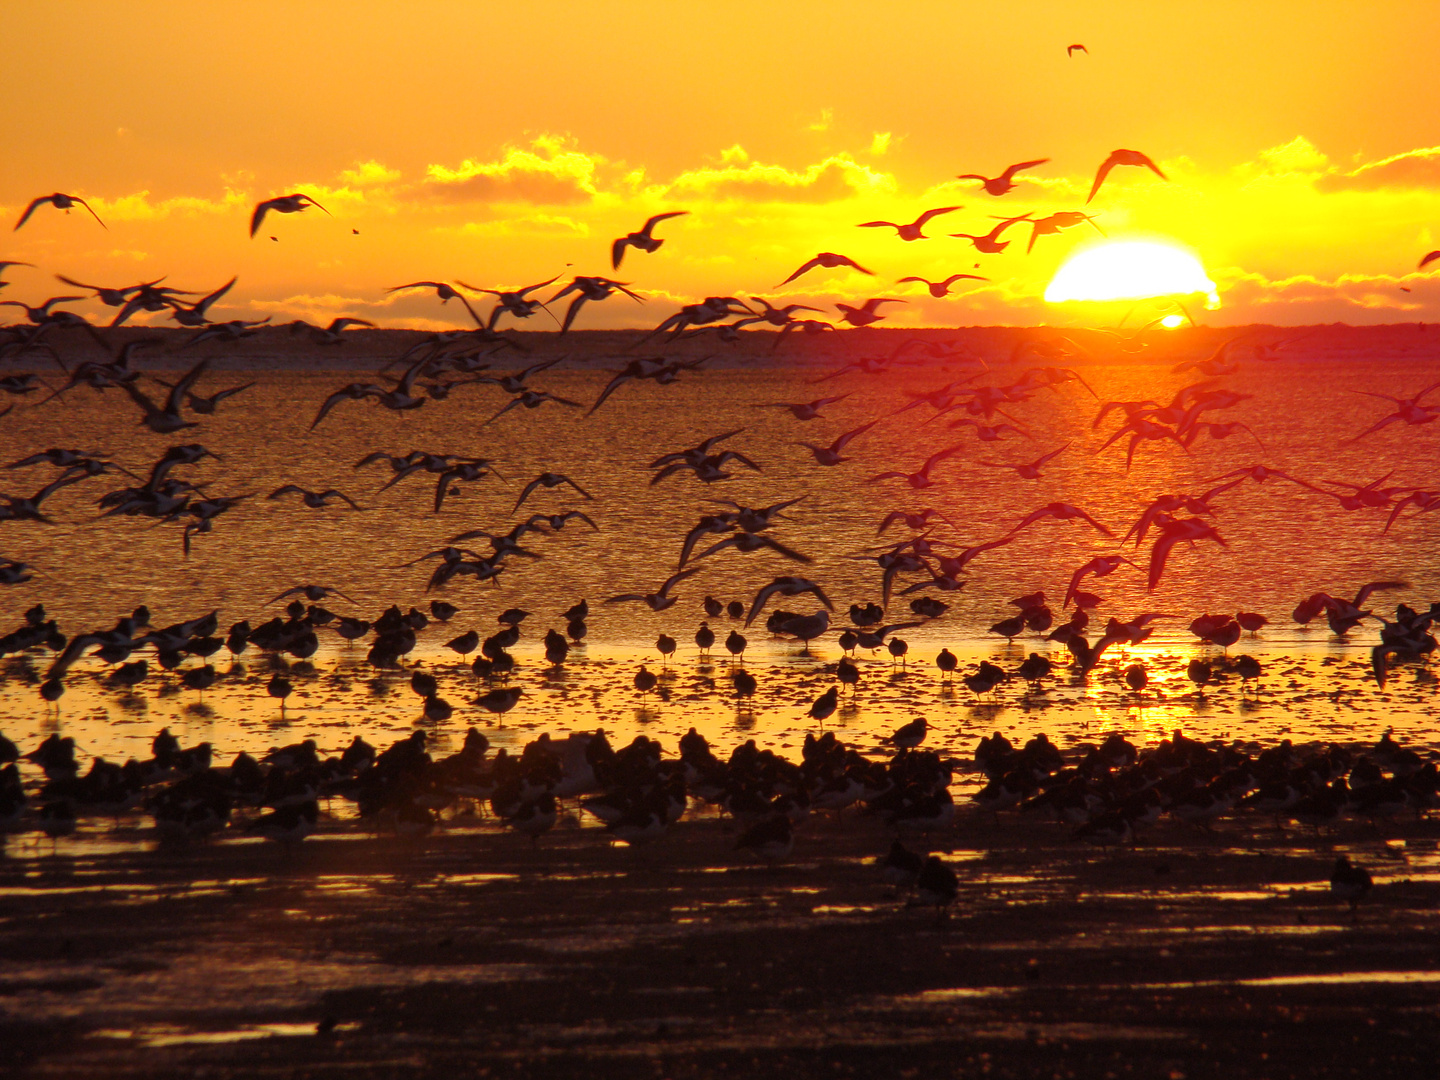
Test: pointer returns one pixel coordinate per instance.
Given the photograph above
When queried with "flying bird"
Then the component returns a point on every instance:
(60, 202)
(514, 302)
(1122, 157)
(284, 204)
(990, 243)
(1071, 50)
(1005, 182)
(911, 231)
(829, 260)
(641, 239)
(866, 313)
(941, 289)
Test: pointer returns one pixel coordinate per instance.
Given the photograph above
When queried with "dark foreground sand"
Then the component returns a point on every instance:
(476, 954)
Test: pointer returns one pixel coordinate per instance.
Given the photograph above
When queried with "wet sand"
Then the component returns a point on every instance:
(1186, 954)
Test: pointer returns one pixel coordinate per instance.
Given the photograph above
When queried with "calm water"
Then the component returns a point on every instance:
(1283, 543)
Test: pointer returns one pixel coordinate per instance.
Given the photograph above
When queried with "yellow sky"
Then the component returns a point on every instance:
(505, 144)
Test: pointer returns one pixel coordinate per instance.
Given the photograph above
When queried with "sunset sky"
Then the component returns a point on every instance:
(507, 143)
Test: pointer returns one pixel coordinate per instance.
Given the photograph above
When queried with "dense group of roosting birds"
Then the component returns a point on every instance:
(1104, 792)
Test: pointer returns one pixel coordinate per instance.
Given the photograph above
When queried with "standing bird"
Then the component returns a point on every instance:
(60, 202)
(1349, 882)
(284, 204)
(1122, 157)
(1005, 182)
(642, 239)
(912, 230)
(823, 707)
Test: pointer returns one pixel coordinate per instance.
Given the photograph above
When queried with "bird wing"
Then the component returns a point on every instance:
(1158, 554)
(1086, 517)
(844, 440)
(659, 218)
(182, 387)
(1031, 518)
(258, 216)
(531, 486)
(1145, 160)
(328, 404)
(804, 269)
(877, 224)
(935, 459)
(1377, 586)
(286, 490)
(315, 204)
(712, 549)
(203, 305)
(1009, 173)
(1052, 454)
(675, 579)
(610, 388)
(776, 546)
(928, 214)
(1426, 261)
(34, 203)
(1104, 171)
(571, 312)
(617, 251)
(578, 488)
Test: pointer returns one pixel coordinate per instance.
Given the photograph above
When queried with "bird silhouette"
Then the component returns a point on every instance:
(1122, 157)
(282, 204)
(1005, 182)
(911, 231)
(61, 202)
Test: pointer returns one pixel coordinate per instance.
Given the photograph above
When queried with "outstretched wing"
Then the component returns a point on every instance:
(804, 269)
(258, 216)
(96, 216)
(928, 214)
(1009, 174)
(1104, 171)
(50, 198)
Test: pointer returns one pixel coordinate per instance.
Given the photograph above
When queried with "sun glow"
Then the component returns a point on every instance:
(1131, 270)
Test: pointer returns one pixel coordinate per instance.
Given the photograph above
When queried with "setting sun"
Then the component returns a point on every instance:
(1131, 270)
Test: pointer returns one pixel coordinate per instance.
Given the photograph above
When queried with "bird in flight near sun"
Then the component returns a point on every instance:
(999, 185)
(1122, 157)
(911, 231)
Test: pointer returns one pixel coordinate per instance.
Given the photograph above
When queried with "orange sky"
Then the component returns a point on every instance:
(499, 143)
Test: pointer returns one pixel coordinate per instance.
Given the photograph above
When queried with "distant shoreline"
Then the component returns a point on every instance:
(278, 348)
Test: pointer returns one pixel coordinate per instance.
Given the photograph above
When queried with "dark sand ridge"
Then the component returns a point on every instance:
(277, 348)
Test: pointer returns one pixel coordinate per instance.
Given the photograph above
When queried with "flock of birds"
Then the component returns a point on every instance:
(1106, 795)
